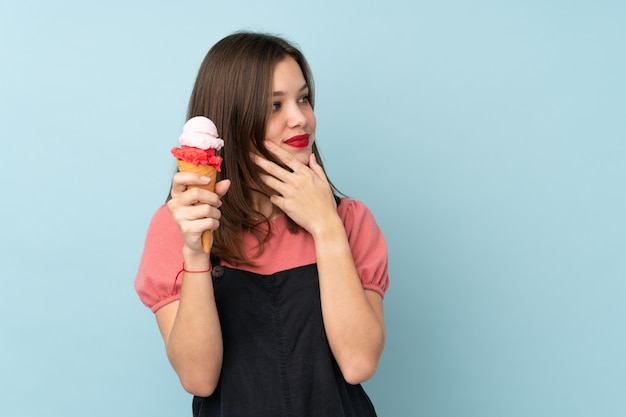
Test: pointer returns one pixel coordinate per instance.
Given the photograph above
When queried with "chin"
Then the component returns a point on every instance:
(304, 158)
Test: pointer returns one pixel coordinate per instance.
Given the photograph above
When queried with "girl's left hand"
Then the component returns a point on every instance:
(305, 194)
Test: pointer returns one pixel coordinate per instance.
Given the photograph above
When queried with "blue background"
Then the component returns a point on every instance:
(488, 138)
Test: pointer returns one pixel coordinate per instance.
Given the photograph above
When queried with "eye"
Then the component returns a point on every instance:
(276, 106)
(304, 99)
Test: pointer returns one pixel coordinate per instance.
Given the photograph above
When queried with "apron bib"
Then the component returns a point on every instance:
(277, 362)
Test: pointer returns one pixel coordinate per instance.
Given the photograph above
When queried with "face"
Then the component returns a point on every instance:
(291, 124)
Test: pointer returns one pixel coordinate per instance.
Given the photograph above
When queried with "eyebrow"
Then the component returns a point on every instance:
(281, 93)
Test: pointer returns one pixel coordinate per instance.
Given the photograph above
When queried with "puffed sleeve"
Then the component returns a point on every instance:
(161, 261)
(367, 243)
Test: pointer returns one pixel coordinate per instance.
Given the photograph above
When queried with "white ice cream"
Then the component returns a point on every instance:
(201, 133)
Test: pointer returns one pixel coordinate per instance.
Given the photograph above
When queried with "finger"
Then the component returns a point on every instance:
(283, 156)
(204, 211)
(316, 168)
(270, 167)
(194, 229)
(222, 187)
(278, 201)
(182, 180)
(194, 213)
(196, 194)
(189, 178)
(274, 183)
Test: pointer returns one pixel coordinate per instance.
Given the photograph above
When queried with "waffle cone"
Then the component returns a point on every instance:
(207, 171)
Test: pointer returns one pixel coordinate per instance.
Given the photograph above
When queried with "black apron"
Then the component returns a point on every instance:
(277, 361)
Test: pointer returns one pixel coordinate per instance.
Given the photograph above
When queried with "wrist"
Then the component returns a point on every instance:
(331, 229)
(194, 263)
(195, 260)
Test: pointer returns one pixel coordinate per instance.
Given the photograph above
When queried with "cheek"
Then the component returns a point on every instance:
(271, 131)
(312, 122)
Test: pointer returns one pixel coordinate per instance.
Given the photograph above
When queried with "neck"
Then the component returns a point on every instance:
(263, 204)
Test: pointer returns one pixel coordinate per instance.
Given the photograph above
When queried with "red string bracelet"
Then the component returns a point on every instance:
(189, 272)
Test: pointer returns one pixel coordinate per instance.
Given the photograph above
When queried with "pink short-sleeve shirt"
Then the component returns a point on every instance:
(162, 259)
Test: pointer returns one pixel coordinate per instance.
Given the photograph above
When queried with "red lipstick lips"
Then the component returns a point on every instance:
(298, 141)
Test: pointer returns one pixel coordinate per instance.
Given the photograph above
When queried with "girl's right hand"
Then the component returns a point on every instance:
(194, 219)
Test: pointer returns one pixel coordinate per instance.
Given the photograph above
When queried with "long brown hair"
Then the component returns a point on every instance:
(233, 88)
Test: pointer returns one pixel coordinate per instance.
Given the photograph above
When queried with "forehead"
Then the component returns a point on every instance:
(287, 72)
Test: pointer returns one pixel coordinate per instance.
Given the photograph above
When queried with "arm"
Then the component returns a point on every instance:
(190, 327)
(353, 317)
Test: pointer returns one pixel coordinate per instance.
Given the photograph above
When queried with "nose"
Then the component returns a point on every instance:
(296, 117)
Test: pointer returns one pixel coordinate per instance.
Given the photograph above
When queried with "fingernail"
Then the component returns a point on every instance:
(205, 179)
(268, 144)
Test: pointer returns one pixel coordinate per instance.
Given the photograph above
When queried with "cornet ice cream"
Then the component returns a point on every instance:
(199, 141)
